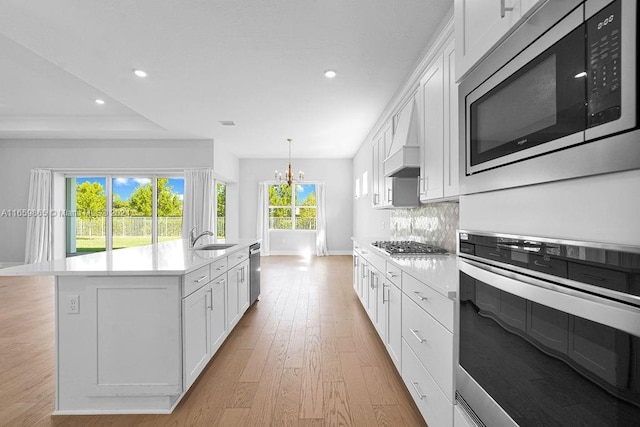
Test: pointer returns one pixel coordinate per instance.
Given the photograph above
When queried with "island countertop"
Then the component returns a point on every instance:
(161, 259)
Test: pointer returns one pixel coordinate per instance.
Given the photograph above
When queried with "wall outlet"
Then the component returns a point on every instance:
(73, 304)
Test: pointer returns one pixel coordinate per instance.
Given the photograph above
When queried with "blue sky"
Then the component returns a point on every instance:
(303, 192)
(125, 186)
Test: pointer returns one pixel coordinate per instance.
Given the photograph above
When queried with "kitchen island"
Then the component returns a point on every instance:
(136, 326)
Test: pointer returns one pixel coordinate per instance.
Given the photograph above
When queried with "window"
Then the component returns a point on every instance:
(292, 212)
(120, 212)
(221, 209)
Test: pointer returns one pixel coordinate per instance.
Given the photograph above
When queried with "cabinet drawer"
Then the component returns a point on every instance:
(193, 281)
(433, 405)
(377, 261)
(218, 267)
(237, 257)
(437, 305)
(432, 344)
(394, 274)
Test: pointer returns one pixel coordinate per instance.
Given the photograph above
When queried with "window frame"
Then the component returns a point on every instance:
(109, 176)
(293, 207)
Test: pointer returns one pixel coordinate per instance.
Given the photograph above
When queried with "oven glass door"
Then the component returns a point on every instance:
(541, 102)
(544, 366)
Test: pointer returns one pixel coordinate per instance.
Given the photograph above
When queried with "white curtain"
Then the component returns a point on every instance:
(321, 221)
(262, 220)
(38, 245)
(199, 201)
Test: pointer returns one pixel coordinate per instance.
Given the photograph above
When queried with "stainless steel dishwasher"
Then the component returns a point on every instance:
(254, 265)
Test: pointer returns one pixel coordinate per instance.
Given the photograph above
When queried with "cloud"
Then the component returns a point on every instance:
(299, 188)
(181, 196)
(142, 181)
(121, 181)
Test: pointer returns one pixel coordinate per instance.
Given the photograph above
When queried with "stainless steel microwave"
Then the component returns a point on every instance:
(556, 100)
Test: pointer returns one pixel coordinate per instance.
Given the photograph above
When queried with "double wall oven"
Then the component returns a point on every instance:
(549, 331)
(556, 100)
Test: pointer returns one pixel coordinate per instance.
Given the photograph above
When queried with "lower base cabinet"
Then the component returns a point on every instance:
(433, 405)
(460, 418)
(394, 324)
(218, 321)
(195, 329)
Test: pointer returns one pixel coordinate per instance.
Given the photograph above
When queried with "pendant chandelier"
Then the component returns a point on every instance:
(288, 174)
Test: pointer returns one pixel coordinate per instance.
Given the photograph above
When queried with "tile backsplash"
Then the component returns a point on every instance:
(434, 223)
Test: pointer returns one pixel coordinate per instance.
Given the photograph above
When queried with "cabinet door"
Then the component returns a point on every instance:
(394, 324)
(196, 312)
(364, 284)
(433, 94)
(376, 170)
(451, 141)
(233, 306)
(381, 313)
(386, 183)
(372, 304)
(356, 272)
(217, 323)
(243, 287)
(479, 25)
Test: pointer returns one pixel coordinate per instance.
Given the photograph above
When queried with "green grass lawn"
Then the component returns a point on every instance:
(96, 244)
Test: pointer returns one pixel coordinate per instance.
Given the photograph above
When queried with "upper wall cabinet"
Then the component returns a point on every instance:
(439, 105)
(481, 24)
(380, 147)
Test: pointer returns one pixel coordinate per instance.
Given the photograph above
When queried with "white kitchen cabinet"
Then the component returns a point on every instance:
(356, 272)
(217, 318)
(196, 309)
(393, 321)
(439, 152)
(372, 300)
(381, 186)
(243, 287)
(233, 301)
(479, 26)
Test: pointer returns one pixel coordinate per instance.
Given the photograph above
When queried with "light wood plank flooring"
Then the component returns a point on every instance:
(305, 354)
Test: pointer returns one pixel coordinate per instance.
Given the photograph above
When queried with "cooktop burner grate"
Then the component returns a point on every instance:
(406, 247)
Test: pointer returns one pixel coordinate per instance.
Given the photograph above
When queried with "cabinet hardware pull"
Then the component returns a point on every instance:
(384, 288)
(220, 282)
(495, 254)
(392, 274)
(210, 299)
(219, 268)
(504, 8)
(421, 395)
(535, 262)
(415, 334)
(200, 279)
(420, 297)
(240, 256)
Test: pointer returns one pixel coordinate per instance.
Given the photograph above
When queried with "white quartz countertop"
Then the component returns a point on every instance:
(166, 258)
(440, 272)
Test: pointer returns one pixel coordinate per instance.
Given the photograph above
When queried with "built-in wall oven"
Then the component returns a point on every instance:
(557, 100)
(549, 331)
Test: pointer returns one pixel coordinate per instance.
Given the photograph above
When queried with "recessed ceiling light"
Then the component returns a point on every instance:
(330, 74)
(227, 122)
(139, 73)
(99, 101)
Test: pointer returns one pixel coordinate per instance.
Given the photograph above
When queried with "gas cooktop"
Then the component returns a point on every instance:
(406, 247)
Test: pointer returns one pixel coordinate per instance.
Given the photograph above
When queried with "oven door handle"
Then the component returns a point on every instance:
(625, 317)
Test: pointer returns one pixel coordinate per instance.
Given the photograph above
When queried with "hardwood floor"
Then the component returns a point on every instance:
(305, 354)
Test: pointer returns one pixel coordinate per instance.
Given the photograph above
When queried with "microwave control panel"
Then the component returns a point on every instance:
(604, 66)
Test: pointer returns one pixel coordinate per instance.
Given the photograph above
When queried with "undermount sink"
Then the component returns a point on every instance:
(215, 246)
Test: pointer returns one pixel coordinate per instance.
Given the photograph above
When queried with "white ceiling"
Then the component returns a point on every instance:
(259, 63)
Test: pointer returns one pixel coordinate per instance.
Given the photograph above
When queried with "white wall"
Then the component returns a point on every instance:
(603, 208)
(367, 222)
(336, 173)
(18, 157)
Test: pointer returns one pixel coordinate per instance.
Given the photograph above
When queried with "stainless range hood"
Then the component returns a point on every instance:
(404, 155)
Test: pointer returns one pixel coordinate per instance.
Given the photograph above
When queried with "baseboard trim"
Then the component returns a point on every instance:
(347, 252)
(10, 264)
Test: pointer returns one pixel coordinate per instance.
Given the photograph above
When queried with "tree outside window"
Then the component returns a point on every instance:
(221, 209)
(292, 212)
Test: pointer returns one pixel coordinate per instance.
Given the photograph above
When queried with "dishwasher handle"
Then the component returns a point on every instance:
(254, 251)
